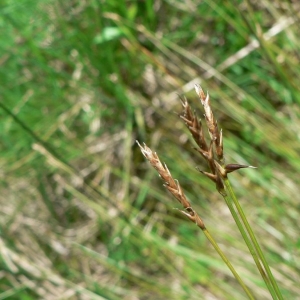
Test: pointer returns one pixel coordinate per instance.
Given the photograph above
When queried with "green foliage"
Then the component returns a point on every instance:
(82, 213)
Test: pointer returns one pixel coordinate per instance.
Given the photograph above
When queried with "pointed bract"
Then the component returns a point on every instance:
(233, 167)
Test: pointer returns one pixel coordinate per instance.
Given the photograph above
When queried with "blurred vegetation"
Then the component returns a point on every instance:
(83, 216)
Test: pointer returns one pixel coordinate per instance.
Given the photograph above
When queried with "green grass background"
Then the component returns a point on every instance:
(83, 215)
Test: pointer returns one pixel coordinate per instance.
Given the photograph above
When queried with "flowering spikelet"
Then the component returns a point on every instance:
(171, 185)
(215, 148)
(194, 125)
(212, 125)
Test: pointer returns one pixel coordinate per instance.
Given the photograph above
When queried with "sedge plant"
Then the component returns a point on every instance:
(213, 154)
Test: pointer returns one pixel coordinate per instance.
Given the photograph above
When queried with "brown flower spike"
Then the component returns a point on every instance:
(212, 125)
(217, 168)
(171, 185)
(194, 125)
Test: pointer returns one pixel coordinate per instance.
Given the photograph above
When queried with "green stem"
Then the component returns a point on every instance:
(250, 246)
(253, 239)
(248, 243)
(227, 262)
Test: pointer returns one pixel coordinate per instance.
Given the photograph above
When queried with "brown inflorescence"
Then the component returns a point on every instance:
(215, 148)
(171, 185)
(215, 135)
(195, 127)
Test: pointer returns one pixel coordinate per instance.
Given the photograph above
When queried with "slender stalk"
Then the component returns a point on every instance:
(253, 239)
(249, 244)
(227, 262)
